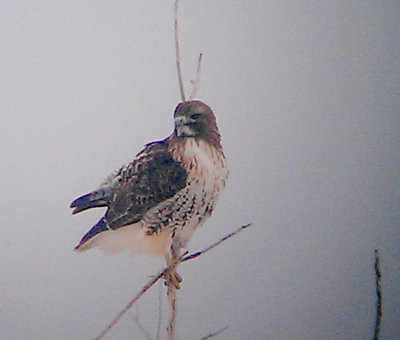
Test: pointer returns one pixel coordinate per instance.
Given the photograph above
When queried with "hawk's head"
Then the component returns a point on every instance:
(196, 119)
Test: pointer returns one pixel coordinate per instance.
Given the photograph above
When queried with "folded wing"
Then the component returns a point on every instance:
(152, 177)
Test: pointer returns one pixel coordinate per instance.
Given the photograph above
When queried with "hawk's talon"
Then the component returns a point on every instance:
(172, 277)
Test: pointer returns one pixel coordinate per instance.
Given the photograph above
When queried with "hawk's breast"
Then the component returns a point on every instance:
(187, 209)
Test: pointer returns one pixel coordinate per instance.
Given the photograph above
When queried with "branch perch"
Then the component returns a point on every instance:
(146, 287)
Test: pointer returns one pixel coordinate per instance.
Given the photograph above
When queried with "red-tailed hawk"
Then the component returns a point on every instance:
(155, 203)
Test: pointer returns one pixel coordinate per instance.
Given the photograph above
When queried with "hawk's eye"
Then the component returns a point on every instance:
(195, 116)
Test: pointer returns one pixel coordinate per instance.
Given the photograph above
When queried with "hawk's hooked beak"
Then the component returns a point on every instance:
(183, 128)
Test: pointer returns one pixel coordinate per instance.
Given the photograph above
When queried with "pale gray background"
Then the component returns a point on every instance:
(307, 98)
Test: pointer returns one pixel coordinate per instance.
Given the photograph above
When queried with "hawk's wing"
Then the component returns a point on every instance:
(152, 177)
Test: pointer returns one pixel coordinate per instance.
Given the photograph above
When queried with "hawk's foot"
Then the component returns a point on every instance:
(172, 278)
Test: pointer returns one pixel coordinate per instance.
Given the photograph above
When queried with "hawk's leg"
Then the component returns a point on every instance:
(171, 276)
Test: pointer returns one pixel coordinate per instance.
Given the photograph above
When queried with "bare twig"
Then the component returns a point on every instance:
(378, 296)
(162, 273)
(210, 335)
(196, 82)
(178, 56)
(198, 253)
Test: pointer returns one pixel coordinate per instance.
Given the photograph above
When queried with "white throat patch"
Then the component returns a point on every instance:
(185, 131)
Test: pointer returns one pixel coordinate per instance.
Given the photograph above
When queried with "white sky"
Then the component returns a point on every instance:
(307, 98)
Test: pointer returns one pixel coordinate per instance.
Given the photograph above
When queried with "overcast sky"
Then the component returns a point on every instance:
(306, 95)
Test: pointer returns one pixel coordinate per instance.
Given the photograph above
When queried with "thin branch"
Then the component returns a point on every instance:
(196, 82)
(198, 253)
(178, 56)
(162, 273)
(378, 296)
(210, 335)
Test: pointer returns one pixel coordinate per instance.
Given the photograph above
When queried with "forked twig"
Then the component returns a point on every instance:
(196, 82)
(178, 56)
(162, 273)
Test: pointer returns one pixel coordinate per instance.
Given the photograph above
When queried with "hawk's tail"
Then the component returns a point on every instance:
(98, 228)
(97, 198)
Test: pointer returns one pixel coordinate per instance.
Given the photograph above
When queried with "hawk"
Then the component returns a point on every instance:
(156, 202)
